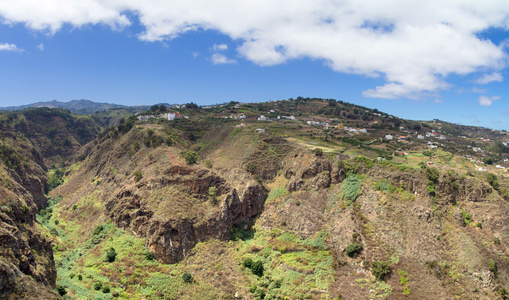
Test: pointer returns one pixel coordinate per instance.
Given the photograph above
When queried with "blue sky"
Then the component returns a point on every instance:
(419, 61)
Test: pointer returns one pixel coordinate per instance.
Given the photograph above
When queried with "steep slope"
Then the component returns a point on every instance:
(27, 269)
(230, 211)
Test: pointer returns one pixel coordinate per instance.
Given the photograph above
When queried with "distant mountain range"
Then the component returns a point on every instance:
(75, 106)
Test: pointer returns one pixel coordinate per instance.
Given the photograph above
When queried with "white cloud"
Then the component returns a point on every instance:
(478, 90)
(438, 101)
(413, 46)
(218, 59)
(487, 101)
(9, 47)
(40, 46)
(487, 78)
(220, 47)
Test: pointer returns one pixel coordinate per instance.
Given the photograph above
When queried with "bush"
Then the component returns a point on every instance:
(212, 195)
(318, 152)
(61, 290)
(351, 187)
(257, 268)
(80, 277)
(149, 255)
(106, 289)
(111, 255)
(137, 175)
(190, 156)
(208, 164)
(98, 229)
(353, 249)
(188, 278)
(384, 186)
(492, 265)
(247, 263)
(98, 286)
(493, 180)
(432, 174)
(380, 269)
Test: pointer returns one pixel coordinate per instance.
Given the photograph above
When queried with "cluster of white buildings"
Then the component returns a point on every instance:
(166, 116)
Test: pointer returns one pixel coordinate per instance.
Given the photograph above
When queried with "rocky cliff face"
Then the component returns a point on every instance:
(27, 268)
(169, 236)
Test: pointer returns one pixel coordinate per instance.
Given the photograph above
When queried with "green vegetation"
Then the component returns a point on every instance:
(55, 177)
(137, 175)
(353, 249)
(111, 255)
(187, 278)
(190, 156)
(351, 188)
(384, 186)
(380, 269)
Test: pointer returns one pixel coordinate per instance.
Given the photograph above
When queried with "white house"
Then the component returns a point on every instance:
(388, 137)
(260, 130)
(420, 137)
(262, 118)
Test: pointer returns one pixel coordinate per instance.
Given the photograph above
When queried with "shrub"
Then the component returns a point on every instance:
(187, 277)
(61, 290)
(106, 289)
(432, 174)
(384, 186)
(247, 263)
(257, 268)
(351, 187)
(212, 195)
(493, 180)
(80, 277)
(111, 255)
(467, 218)
(318, 152)
(208, 164)
(137, 175)
(492, 265)
(149, 255)
(353, 249)
(98, 229)
(190, 156)
(98, 286)
(74, 207)
(380, 269)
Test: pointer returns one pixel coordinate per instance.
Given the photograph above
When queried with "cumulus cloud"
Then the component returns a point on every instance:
(9, 47)
(40, 46)
(218, 59)
(413, 46)
(487, 101)
(220, 47)
(487, 78)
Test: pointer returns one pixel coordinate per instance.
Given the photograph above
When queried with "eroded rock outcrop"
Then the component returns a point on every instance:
(172, 234)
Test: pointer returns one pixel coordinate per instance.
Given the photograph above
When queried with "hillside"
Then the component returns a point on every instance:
(314, 200)
(83, 107)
